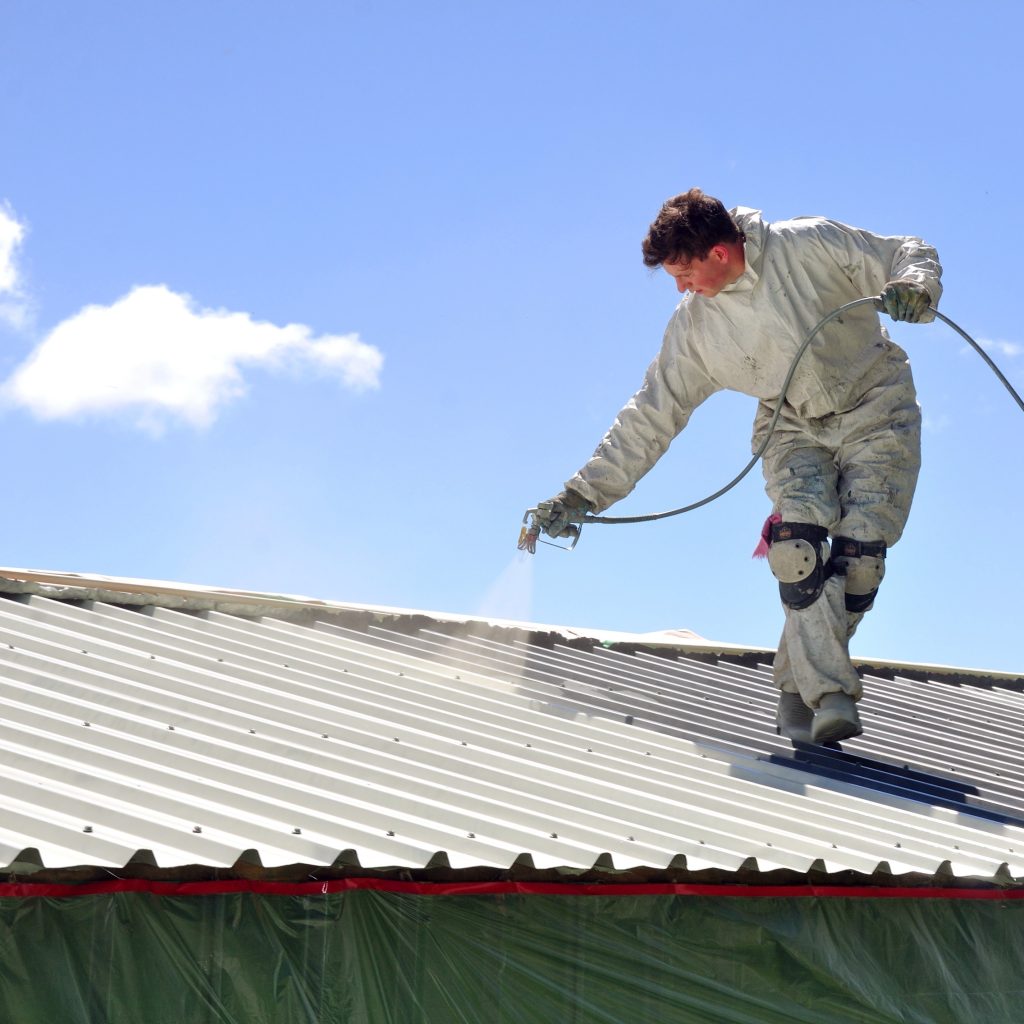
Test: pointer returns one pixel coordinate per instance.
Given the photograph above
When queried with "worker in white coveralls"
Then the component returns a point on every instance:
(844, 457)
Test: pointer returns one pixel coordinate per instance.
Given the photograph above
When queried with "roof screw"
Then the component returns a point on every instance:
(899, 845)
(170, 728)
(397, 740)
(252, 732)
(632, 839)
(296, 831)
(86, 724)
(553, 835)
(471, 835)
(389, 833)
(629, 719)
(88, 828)
(197, 829)
(324, 736)
(464, 743)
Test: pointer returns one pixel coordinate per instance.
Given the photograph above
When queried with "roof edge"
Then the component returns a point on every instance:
(72, 586)
(27, 870)
(80, 587)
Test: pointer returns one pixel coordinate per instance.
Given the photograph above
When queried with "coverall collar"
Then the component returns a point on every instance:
(752, 224)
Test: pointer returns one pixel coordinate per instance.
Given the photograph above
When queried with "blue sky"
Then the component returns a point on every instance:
(318, 298)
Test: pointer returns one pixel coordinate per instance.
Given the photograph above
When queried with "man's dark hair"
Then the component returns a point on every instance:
(688, 227)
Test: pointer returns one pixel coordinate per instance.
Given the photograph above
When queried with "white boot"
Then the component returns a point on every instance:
(836, 719)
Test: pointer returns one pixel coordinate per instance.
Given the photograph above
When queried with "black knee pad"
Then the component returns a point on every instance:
(798, 557)
(862, 565)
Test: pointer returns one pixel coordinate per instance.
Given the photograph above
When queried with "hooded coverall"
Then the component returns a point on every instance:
(845, 453)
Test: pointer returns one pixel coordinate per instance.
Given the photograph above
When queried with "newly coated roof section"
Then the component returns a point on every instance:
(201, 735)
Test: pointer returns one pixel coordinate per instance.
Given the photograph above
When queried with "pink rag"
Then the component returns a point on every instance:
(761, 551)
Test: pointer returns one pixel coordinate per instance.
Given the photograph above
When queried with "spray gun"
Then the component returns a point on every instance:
(530, 533)
(532, 527)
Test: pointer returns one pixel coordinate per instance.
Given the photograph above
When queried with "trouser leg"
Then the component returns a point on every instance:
(853, 620)
(813, 657)
(854, 475)
(802, 479)
(879, 462)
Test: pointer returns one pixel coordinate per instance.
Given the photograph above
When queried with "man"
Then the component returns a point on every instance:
(844, 457)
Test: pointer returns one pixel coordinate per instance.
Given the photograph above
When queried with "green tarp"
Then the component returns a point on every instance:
(367, 956)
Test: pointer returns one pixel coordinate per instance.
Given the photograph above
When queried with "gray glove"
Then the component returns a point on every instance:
(557, 516)
(906, 300)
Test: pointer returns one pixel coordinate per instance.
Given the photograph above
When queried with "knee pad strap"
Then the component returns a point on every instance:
(798, 560)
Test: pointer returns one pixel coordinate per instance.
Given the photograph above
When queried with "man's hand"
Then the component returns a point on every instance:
(906, 300)
(557, 516)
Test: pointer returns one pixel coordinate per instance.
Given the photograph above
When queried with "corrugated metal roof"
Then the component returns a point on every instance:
(415, 743)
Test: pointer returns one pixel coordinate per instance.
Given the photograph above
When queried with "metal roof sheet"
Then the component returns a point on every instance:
(199, 735)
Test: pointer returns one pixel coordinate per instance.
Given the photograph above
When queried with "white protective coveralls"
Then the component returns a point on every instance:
(845, 453)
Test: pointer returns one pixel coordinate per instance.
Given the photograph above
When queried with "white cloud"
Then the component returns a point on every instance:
(156, 357)
(12, 231)
(13, 309)
(1006, 348)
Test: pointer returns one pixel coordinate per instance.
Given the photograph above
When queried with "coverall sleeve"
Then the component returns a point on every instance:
(675, 384)
(871, 260)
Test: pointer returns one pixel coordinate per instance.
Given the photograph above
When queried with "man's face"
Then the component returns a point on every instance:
(705, 277)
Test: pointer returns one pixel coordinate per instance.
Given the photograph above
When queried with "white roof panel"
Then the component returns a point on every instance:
(200, 735)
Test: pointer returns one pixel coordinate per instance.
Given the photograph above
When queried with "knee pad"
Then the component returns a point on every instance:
(862, 564)
(798, 557)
